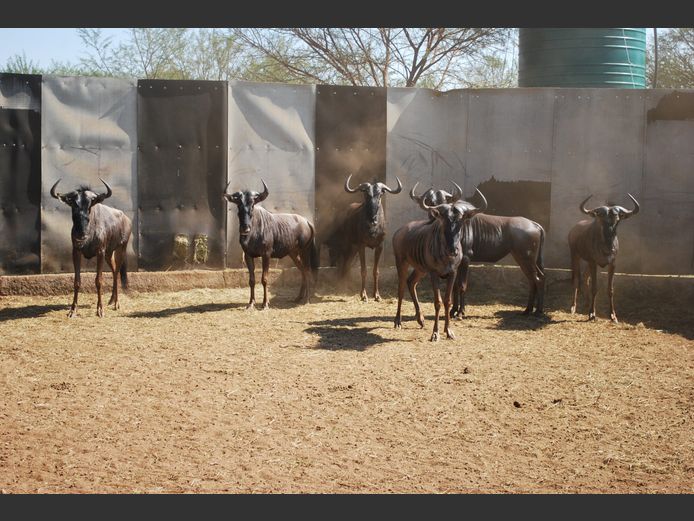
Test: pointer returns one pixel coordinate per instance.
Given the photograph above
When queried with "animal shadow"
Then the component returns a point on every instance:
(32, 311)
(515, 320)
(168, 312)
(341, 333)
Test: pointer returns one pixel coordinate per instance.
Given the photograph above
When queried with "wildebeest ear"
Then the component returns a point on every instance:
(233, 198)
(434, 212)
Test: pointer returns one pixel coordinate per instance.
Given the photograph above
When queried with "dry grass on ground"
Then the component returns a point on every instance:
(188, 392)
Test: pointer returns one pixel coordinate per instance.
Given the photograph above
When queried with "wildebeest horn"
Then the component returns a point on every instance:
(484, 202)
(261, 196)
(457, 193)
(101, 197)
(582, 206)
(417, 198)
(53, 192)
(628, 213)
(396, 191)
(352, 190)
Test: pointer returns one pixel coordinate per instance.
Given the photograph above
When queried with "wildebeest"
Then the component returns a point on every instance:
(595, 241)
(273, 235)
(98, 230)
(363, 226)
(494, 237)
(435, 247)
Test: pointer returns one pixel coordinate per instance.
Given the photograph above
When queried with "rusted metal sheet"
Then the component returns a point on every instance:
(350, 138)
(182, 169)
(88, 132)
(271, 136)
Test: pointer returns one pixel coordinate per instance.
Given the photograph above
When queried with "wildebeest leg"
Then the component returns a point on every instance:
(97, 283)
(412, 282)
(251, 279)
(450, 282)
(401, 267)
(459, 289)
(593, 289)
(118, 259)
(362, 261)
(437, 306)
(77, 263)
(575, 278)
(263, 280)
(110, 260)
(540, 283)
(529, 271)
(302, 266)
(610, 291)
(377, 258)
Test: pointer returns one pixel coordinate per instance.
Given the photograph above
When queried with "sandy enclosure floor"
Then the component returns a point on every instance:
(189, 392)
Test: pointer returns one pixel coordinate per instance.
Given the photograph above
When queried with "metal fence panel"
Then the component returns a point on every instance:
(88, 132)
(182, 162)
(667, 199)
(271, 136)
(598, 149)
(427, 132)
(20, 91)
(350, 138)
(20, 191)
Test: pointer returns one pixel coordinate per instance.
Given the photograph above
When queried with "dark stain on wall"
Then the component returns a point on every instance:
(677, 105)
(529, 199)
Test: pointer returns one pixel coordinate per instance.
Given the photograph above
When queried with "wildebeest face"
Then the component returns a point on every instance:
(609, 215)
(453, 218)
(372, 197)
(245, 202)
(81, 201)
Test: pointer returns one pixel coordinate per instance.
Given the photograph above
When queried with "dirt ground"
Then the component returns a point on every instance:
(189, 392)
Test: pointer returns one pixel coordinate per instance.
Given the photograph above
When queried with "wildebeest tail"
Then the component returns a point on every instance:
(540, 260)
(124, 273)
(314, 258)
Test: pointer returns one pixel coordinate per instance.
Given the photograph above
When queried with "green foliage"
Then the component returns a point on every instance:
(675, 59)
(438, 58)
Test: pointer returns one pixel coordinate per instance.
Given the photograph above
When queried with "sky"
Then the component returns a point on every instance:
(43, 45)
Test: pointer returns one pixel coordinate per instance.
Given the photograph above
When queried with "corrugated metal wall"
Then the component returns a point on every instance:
(535, 152)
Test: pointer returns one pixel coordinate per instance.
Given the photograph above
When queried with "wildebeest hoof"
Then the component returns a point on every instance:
(250, 306)
(449, 334)
(614, 319)
(100, 312)
(72, 313)
(434, 337)
(377, 297)
(398, 324)
(420, 320)
(116, 306)
(591, 317)
(364, 298)
(265, 307)
(573, 309)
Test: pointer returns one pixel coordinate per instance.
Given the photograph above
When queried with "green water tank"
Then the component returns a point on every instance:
(595, 57)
